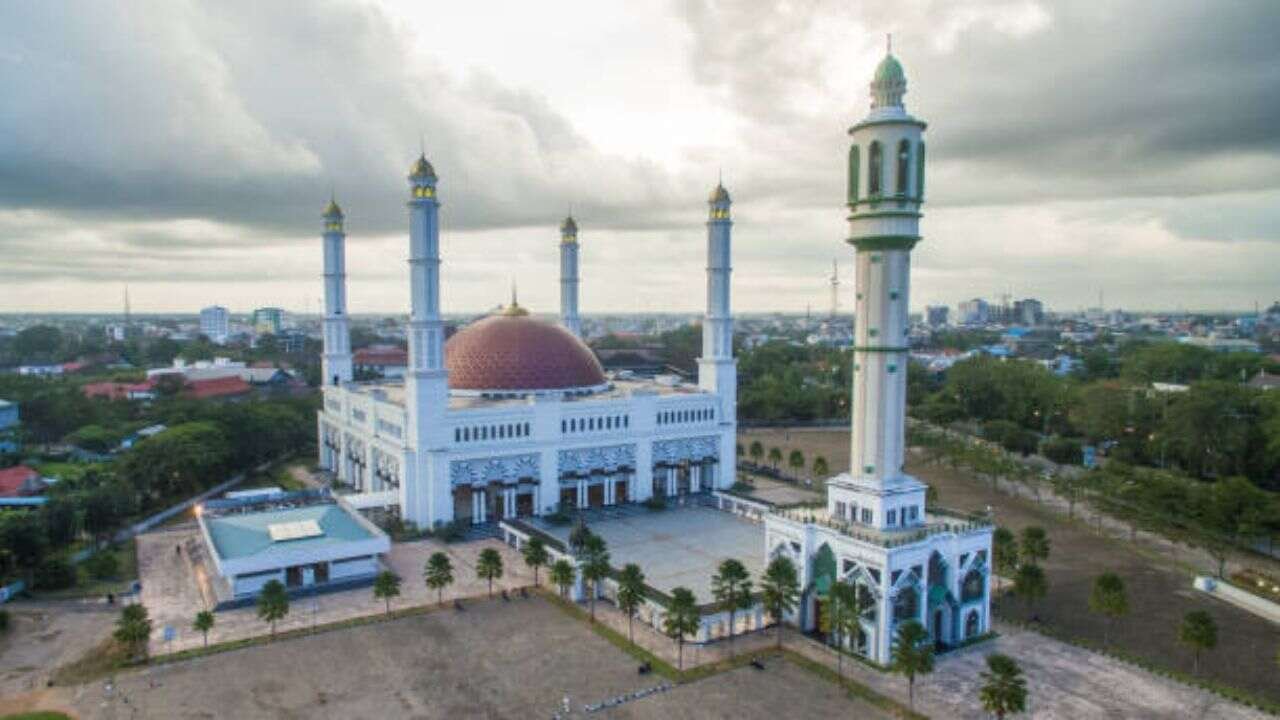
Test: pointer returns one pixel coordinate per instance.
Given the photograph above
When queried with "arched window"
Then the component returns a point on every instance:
(920, 171)
(971, 624)
(904, 167)
(854, 172)
(906, 605)
(972, 587)
(874, 163)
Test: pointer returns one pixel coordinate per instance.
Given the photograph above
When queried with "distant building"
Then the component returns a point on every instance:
(216, 388)
(215, 323)
(120, 390)
(974, 312)
(1221, 344)
(268, 320)
(1264, 381)
(1028, 312)
(388, 361)
(21, 481)
(936, 315)
(40, 370)
(9, 424)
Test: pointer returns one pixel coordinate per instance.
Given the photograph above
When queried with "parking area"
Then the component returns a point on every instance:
(679, 546)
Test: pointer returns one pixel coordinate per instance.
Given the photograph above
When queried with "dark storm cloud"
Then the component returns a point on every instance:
(1137, 98)
(248, 113)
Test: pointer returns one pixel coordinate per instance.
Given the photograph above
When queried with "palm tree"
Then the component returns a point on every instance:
(1004, 690)
(562, 574)
(796, 461)
(740, 451)
(386, 586)
(203, 624)
(1198, 632)
(844, 618)
(578, 535)
(438, 574)
(535, 556)
(595, 567)
(775, 457)
(1004, 548)
(820, 467)
(682, 619)
(912, 655)
(1109, 600)
(630, 595)
(1030, 583)
(731, 587)
(489, 567)
(780, 589)
(756, 451)
(133, 629)
(273, 603)
(1035, 544)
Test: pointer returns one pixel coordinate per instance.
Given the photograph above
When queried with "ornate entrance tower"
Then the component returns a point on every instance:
(885, 191)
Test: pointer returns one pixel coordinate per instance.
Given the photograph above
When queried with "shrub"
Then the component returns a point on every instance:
(4, 620)
(656, 502)
(1063, 451)
(103, 565)
(448, 531)
(55, 574)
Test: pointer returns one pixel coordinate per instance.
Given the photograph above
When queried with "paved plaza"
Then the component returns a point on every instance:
(679, 546)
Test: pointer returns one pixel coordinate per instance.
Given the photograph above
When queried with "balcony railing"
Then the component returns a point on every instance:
(938, 521)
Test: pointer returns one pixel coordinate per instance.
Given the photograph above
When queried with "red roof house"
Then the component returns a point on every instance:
(221, 387)
(20, 481)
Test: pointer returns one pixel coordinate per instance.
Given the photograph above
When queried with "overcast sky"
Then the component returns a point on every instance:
(188, 148)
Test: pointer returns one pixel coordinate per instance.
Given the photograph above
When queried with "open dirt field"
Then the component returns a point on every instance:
(495, 660)
(1160, 592)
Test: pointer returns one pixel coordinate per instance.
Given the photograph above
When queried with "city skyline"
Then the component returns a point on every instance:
(205, 154)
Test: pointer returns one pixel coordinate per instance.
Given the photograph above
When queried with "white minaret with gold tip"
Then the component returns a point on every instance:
(336, 362)
(885, 191)
(569, 277)
(717, 368)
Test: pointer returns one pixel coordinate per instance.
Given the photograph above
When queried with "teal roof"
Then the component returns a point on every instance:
(240, 536)
(890, 71)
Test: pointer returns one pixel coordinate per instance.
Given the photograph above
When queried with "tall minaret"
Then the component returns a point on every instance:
(717, 370)
(885, 191)
(569, 277)
(426, 381)
(336, 363)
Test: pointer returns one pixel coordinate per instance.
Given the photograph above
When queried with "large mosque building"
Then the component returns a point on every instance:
(514, 416)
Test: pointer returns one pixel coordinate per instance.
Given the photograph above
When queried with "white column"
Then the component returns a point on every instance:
(671, 482)
(695, 478)
(509, 510)
(717, 369)
(582, 493)
(336, 361)
(569, 277)
(475, 506)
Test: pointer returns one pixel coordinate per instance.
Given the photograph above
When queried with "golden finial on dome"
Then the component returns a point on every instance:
(514, 309)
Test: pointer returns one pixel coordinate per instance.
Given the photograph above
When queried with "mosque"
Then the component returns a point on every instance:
(514, 416)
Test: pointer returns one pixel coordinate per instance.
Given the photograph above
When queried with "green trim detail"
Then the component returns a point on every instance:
(855, 215)
(880, 348)
(888, 121)
(884, 242)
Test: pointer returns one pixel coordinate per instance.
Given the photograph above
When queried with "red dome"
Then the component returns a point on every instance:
(517, 352)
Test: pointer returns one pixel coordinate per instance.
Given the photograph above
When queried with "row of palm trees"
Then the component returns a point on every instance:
(795, 459)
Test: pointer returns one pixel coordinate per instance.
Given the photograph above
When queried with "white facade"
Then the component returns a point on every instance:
(875, 534)
(478, 456)
(215, 323)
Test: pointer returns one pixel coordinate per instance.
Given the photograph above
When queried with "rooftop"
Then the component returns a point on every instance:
(394, 393)
(239, 536)
(937, 521)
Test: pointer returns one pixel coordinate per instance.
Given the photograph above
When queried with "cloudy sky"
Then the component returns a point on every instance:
(187, 148)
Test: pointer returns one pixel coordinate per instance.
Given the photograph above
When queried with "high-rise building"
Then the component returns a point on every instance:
(215, 323)
(268, 320)
(1028, 312)
(974, 312)
(936, 315)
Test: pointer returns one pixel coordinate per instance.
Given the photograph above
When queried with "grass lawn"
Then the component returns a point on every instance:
(87, 586)
(38, 715)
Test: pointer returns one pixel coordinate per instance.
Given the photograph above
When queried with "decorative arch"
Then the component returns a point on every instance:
(854, 172)
(920, 170)
(974, 585)
(904, 167)
(875, 168)
(972, 624)
(906, 604)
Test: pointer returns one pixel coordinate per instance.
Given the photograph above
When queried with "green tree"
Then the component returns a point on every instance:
(820, 467)
(438, 574)
(595, 567)
(911, 655)
(1004, 689)
(796, 460)
(775, 456)
(845, 618)
(682, 619)
(535, 556)
(133, 629)
(731, 587)
(1198, 632)
(1004, 549)
(1030, 583)
(489, 567)
(385, 587)
(1035, 545)
(273, 603)
(780, 590)
(203, 624)
(1109, 599)
(630, 595)
(756, 451)
(562, 574)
